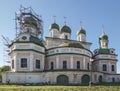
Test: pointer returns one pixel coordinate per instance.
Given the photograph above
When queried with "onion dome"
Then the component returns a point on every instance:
(81, 31)
(65, 29)
(75, 45)
(54, 26)
(103, 37)
(30, 20)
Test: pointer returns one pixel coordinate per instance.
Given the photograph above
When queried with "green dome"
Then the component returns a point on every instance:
(65, 29)
(104, 51)
(36, 41)
(104, 37)
(75, 45)
(54, 26)
(81, 31)
(30, 20)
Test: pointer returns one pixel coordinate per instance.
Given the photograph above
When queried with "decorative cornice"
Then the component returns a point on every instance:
(105, 59)
(67, 54)
(68, 47)
(27, 50)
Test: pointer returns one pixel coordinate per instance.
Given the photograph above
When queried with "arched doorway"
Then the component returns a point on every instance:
(100, 78)
(62, 80)
(85, 79)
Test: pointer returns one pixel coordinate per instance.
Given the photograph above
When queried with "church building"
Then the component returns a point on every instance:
(57, 59)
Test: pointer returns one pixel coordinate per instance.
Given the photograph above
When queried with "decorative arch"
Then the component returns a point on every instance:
(62, 80)
(85, 79)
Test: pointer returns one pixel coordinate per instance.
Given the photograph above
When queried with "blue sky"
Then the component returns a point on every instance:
(92, 13)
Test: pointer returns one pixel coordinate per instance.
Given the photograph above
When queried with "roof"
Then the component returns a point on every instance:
(36, 41)
(103, 37)
(68, 40)
(54, 26)
(33, 39)
(81, 31)
(75, 45)
(104, 51)
(65, 29)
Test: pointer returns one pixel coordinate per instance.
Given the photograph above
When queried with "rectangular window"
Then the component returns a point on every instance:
(12, 64)
(52, 66)
(38, 64)
(104, 67)
(23, 62)
(64, 64)
(78, 64)
(113, 68)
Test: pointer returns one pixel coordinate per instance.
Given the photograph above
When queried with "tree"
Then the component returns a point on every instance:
(5, 68)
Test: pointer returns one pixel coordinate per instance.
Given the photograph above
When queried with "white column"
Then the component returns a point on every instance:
(42, 63)
(100, 67)
(84, 63)
(16, 65)
(71, 62)
(57, 62)
(109, 67)
(31, 62)
(115, 68)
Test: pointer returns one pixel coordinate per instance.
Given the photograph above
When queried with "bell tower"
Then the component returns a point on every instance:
(27, 51)
(29, 22)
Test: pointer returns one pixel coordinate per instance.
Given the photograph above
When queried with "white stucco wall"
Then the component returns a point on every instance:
(51, 77)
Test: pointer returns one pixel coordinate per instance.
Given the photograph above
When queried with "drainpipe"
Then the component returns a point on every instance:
(90, 83)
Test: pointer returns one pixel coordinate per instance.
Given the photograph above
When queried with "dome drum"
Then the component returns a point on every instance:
(69, 49)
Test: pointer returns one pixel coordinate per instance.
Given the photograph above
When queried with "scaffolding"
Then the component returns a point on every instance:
(19, 27)
(20, 21)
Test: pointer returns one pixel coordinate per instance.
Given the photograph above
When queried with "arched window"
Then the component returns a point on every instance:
(64, 64)
(113, 68)
(104, 67)
(51, 65)
(78, 64)
(12, 64)
(100, 78)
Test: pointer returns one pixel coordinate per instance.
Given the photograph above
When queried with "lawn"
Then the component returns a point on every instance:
(58, 88)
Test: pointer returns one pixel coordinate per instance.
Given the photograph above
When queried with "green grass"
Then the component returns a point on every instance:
(59, 88)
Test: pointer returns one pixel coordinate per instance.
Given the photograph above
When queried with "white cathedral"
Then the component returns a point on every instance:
(57, 59)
